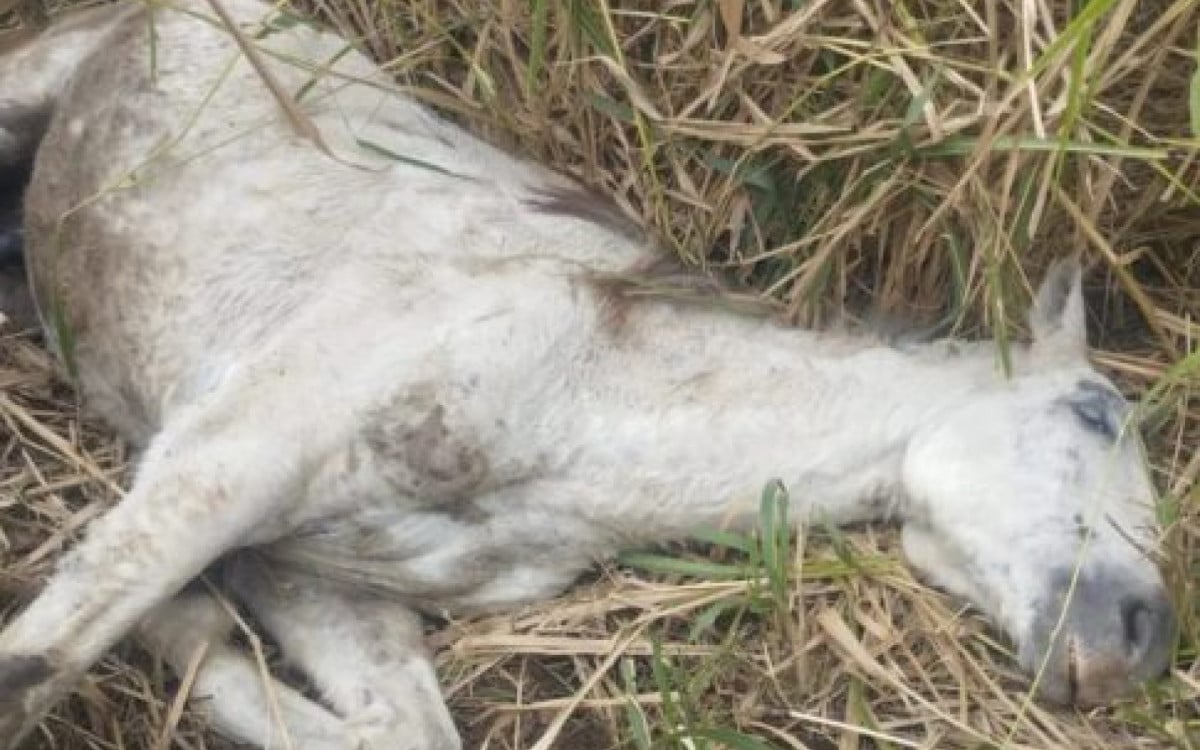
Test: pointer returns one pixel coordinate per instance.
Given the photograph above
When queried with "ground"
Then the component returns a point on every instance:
(884, 160)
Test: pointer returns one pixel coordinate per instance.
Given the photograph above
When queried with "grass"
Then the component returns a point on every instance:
(920, 159)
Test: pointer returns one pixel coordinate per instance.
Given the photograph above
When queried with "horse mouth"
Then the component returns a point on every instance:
(1098, 641)
(1073, 694)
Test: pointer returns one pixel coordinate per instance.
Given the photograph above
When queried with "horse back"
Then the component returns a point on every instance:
(179, 216)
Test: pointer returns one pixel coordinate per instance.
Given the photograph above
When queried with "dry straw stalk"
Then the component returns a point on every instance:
(841, 158)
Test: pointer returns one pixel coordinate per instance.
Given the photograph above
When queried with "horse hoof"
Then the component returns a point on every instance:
(19, 675)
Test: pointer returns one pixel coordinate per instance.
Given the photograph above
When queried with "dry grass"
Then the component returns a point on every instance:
(923, 158)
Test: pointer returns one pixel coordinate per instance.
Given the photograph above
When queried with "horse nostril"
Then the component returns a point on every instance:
(1134, 616)
(1143, 624)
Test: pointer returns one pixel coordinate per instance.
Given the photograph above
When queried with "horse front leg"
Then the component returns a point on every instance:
(194, 631)
(365, 654)
(201, 490)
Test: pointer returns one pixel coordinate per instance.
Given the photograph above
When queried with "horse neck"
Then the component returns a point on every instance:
(699, 410)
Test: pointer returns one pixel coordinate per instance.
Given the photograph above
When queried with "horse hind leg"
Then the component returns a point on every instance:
(366, 655)
(36, 62)
(16, 302)
(26, 105)
(33, 74)
(22, 126)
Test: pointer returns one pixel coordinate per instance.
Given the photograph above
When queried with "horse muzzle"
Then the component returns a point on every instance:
(1098, 635)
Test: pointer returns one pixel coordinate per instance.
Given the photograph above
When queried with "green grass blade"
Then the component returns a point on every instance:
(729, 539)
(635, 717)
(1080, 25)
(665, 564)
(388, 153)
(732, 738)
(1194, 95)
(707, 619)
(965, 145)
(537, 44)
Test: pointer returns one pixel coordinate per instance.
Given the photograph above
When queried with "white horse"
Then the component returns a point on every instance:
(386, 375)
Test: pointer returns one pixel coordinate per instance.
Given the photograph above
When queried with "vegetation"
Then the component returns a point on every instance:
(914, 159)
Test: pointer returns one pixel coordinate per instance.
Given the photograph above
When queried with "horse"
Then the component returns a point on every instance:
(375, 368)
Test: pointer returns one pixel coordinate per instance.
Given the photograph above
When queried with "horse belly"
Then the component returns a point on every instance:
(513, 546)
(453, 492)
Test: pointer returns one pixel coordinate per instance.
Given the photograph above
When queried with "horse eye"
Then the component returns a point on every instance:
(1095, 417)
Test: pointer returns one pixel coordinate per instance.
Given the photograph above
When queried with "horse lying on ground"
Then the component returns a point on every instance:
(379, 373)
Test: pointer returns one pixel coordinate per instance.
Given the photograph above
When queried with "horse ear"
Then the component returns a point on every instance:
(1058, 319)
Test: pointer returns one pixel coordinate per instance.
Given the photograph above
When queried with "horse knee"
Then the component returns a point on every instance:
(177, 627)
